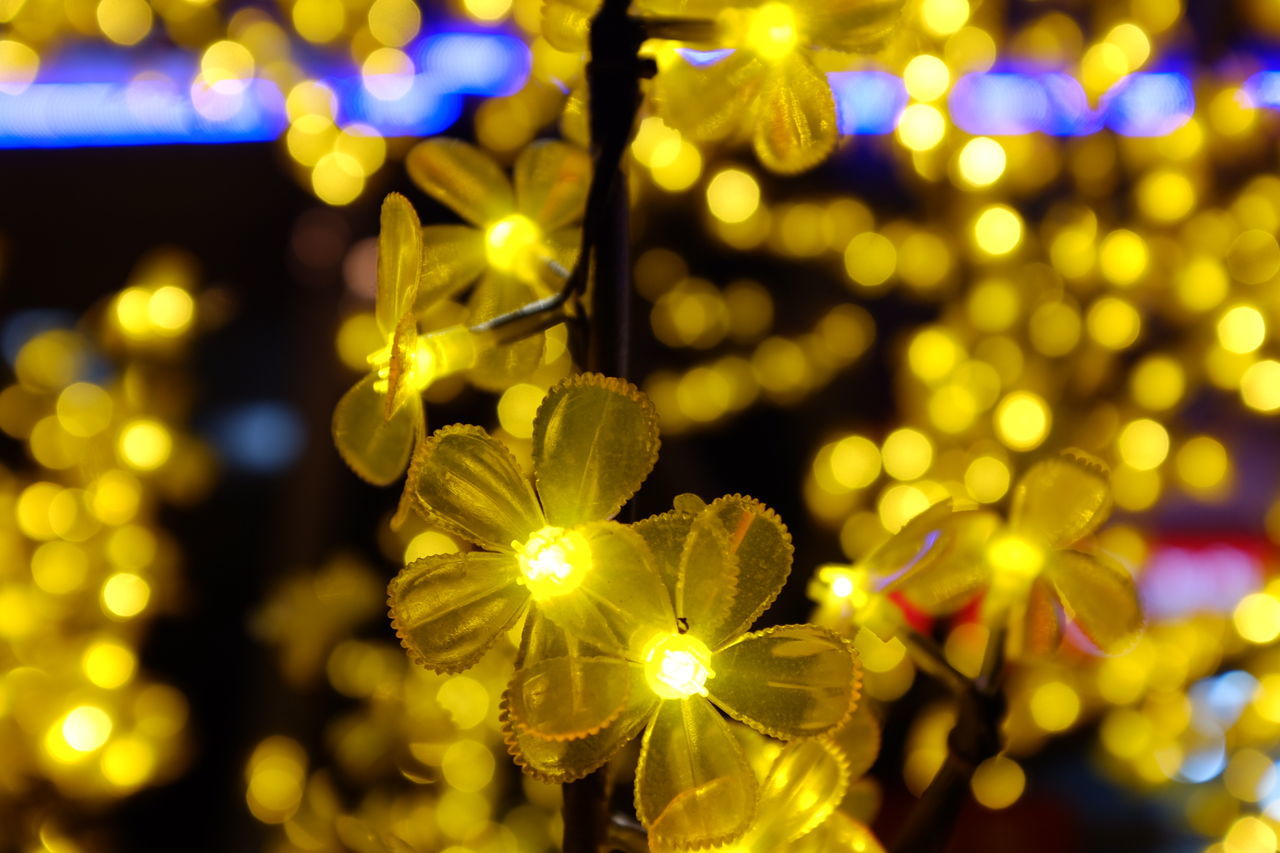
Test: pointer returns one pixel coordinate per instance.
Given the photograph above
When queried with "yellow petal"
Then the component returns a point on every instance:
(399, 261)
(788, 682)
(1035, 627)
(566, 760)
(806, 783)
(449, 609)
(621, 601)
(708, 101)
(762, 546)
(665, 535)
(796, 125)
(500, 367)
(565, 23)
(694, 787)
(595, 439)
(838, 834)
(1099, 595)
(707, 577)
(468, 482)
(567, 698)
(855, 26)
(1061, 499)
(551, 180)
(463, 177)
(859, 739)
(938, 559)
(376, 448)
(452, 258)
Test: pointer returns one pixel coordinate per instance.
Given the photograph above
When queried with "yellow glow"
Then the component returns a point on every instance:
(997, 230)
(227, 66)
(319, 21)
(86, 728)
(517, 406)
(84, 409)
(733, 196)
(1260, 386)
(1114, 323)
(338, 178)
(553, 561)
(1203, 463)
(855, 462)
(144, 444)
(1201, 283)
(772, 31)
(1242, 329)
(944, 17)
(487, 10)
(1257, 618)
(59, 567)
(926, 77)
(1143, 444)
(1157, 382)
(1250, 835)
(921, 127)
(125, 595)
(394, 22)
(125, 22)
(1123, 257)
(18, 66)
(468, 765)
(1055, 706)
(677, 665)
(1022, 420)
(981, 162)
(1166, 195)
(870, 259)
(128, 761)
(933, 354)
(1015, 556)
(987, 479)
(170, 310)
(907, 454)
(998, 782)
(108, 663)
(512, 245)
(276, 773)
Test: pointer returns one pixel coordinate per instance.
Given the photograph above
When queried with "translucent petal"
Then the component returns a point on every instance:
(566, 698)
(1036, 626)
(567, 760)
(595, 439)
(694, 787)
(463, 177)
(707, 577)
(762, 546)
(859, 739)
(665, 535)
(376, 448)
(551, 180)
(1099, 595)
(468, 482)
(399, 261)
(796, 126)
(453, 257)
(500, 367)
(565, 23)
(1061, 499)
(709, 101)
(621, 602)
(449, 609)
(839, 834)
(855, 26)
(788, 682)
(948, 564)
(806, 783)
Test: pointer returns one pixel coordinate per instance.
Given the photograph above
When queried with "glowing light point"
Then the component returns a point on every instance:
(553, 561)
(511, 245)
(677, 665)
(1015, 557)
(86, 728)
(772, 31)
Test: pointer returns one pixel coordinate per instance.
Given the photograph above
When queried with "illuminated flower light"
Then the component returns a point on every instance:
(515, 238)
(377, 422)
(595, 439)
(663, 666)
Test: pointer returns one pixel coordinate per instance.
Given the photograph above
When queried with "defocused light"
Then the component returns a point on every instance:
(926, 77)
(86, 728)
(1260, 386)
(733, 195)
(981, 162)
(1143, 444)
(144, 444)
(997, 230)
(921, 127)
(1242, 329)
(1022, 420)
(125, 595)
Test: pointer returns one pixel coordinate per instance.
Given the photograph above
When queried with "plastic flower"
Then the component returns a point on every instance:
(769, 83)
(595, 439)
(513, 232)
(378, 421)
(800, 787)
(576, 698)
(1031, 576)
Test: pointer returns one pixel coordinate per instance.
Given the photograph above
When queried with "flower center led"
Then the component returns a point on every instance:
(677, 665)
(1015, 557)
(553, 561)
(772, 32)
(419, 366)
(512, 243)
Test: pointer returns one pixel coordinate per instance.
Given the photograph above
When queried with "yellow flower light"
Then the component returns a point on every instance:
(553, 561)
(677, 665)
(772, 31)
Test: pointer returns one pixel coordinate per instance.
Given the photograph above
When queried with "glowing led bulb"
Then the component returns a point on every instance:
(677, 665)
(1013, 556)
(848, 585)
(772, 32)
(553, 561)
(511, 245)
(86, 728)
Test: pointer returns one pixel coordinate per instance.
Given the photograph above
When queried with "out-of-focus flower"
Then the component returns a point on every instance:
(516, 230)
(595, 439)
(577, 698)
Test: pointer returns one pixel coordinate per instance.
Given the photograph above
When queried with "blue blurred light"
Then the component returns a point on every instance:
(1004, 103)
(703, 58)
(489, 64)
(1149, 104)
(425, 109)
(21, 327)
(259, 438)
(867, 101)
(1219, 700)
(1263, 89)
